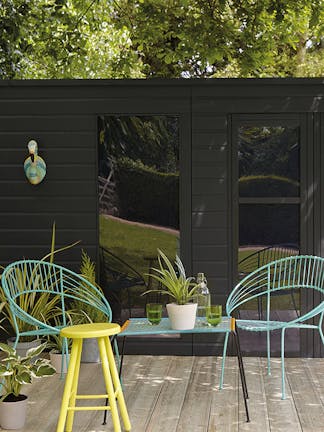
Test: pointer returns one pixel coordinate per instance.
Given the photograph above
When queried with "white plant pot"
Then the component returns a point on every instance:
(13, 414)
(182, 317)
(23, 347)
(56, 361)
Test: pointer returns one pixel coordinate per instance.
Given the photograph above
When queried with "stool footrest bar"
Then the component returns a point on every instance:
(90, 408)
(99, 396)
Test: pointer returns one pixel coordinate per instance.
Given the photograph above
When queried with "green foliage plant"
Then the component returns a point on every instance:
(42, 306)
(55, 341)
(175, 283)
(83, 312)
(15, 371)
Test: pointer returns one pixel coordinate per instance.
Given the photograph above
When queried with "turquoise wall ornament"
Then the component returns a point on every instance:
(34, 165)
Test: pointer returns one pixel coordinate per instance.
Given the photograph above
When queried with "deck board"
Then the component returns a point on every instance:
(180, 394)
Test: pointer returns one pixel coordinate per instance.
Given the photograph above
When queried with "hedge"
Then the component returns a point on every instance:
(268, 186)
(147, 195)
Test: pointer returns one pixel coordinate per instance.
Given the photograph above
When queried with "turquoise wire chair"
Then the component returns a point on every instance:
(25, 281)
(291, 273)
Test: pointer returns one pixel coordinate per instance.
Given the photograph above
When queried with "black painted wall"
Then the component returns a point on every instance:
(62, 117)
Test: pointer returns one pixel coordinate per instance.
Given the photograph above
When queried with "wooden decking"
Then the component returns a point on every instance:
(180, 394)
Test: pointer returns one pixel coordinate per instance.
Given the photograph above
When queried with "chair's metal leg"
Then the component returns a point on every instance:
(321, 334)
(121, 356)
(268, 352)
(283, 384)
(240, 359)
(242, 374)
(221, 381)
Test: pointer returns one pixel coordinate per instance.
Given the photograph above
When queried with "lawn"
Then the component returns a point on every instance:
(135, 243)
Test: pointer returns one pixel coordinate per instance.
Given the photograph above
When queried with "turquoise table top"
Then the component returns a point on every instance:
(141, 326)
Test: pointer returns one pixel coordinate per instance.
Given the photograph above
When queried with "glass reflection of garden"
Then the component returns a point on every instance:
(268, 185)
(269, 192)
(138, 163)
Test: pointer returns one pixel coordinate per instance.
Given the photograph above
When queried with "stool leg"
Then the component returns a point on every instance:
(109, 384)
(74, 389)
(117, 385)
(68, 386)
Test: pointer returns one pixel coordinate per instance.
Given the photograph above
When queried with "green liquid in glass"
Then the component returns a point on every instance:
(154, 317)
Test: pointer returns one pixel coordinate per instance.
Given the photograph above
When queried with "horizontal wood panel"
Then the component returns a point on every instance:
(272, 87)
(53, 188)
(209, 252)
(209, 236)
(209, 155)
(94, 89)
(209, 219)
(258, 104)
(208, 122)
(48, 140)
(47, 123)
(51, 155)
(216, 141)
(63, 219)
(208, 186)
(154, 104)
(43, 236)
(54, 172)
(209, 171)
(218, 289)
(16, 252)
(45, 204)
(207, 203)
(211, 268)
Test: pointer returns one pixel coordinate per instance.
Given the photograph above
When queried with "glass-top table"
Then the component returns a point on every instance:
(142, 327)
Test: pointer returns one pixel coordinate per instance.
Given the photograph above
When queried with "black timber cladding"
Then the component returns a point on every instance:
(62, 117)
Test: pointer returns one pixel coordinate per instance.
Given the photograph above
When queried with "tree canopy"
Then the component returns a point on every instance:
(161, 38)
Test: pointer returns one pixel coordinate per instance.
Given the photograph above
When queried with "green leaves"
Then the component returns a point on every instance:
(177, 286)
(17, 371)
(137, 38)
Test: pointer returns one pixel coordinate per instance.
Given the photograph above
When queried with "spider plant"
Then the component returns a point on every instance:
(173, 279)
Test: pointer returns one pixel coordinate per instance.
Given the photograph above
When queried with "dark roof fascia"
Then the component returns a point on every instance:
(193, 82)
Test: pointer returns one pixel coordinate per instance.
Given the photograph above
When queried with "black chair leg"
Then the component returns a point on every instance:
(242, 373)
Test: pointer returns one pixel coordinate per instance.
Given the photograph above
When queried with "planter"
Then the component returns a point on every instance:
(23, 347)
(90, 351)
(182, 317)
(56, 361)
(13, 414)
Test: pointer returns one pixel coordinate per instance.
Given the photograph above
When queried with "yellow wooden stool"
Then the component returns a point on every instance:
(100, 331)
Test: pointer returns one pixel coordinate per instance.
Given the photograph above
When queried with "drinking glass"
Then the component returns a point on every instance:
(154, 313)
(214, 314)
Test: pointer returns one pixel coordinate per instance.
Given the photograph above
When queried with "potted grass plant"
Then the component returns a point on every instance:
(55, 345)
(180, 288)
(83, 313)
(41, 306)
(15, 371)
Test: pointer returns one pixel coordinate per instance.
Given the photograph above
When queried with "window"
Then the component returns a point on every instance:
(138, 163)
